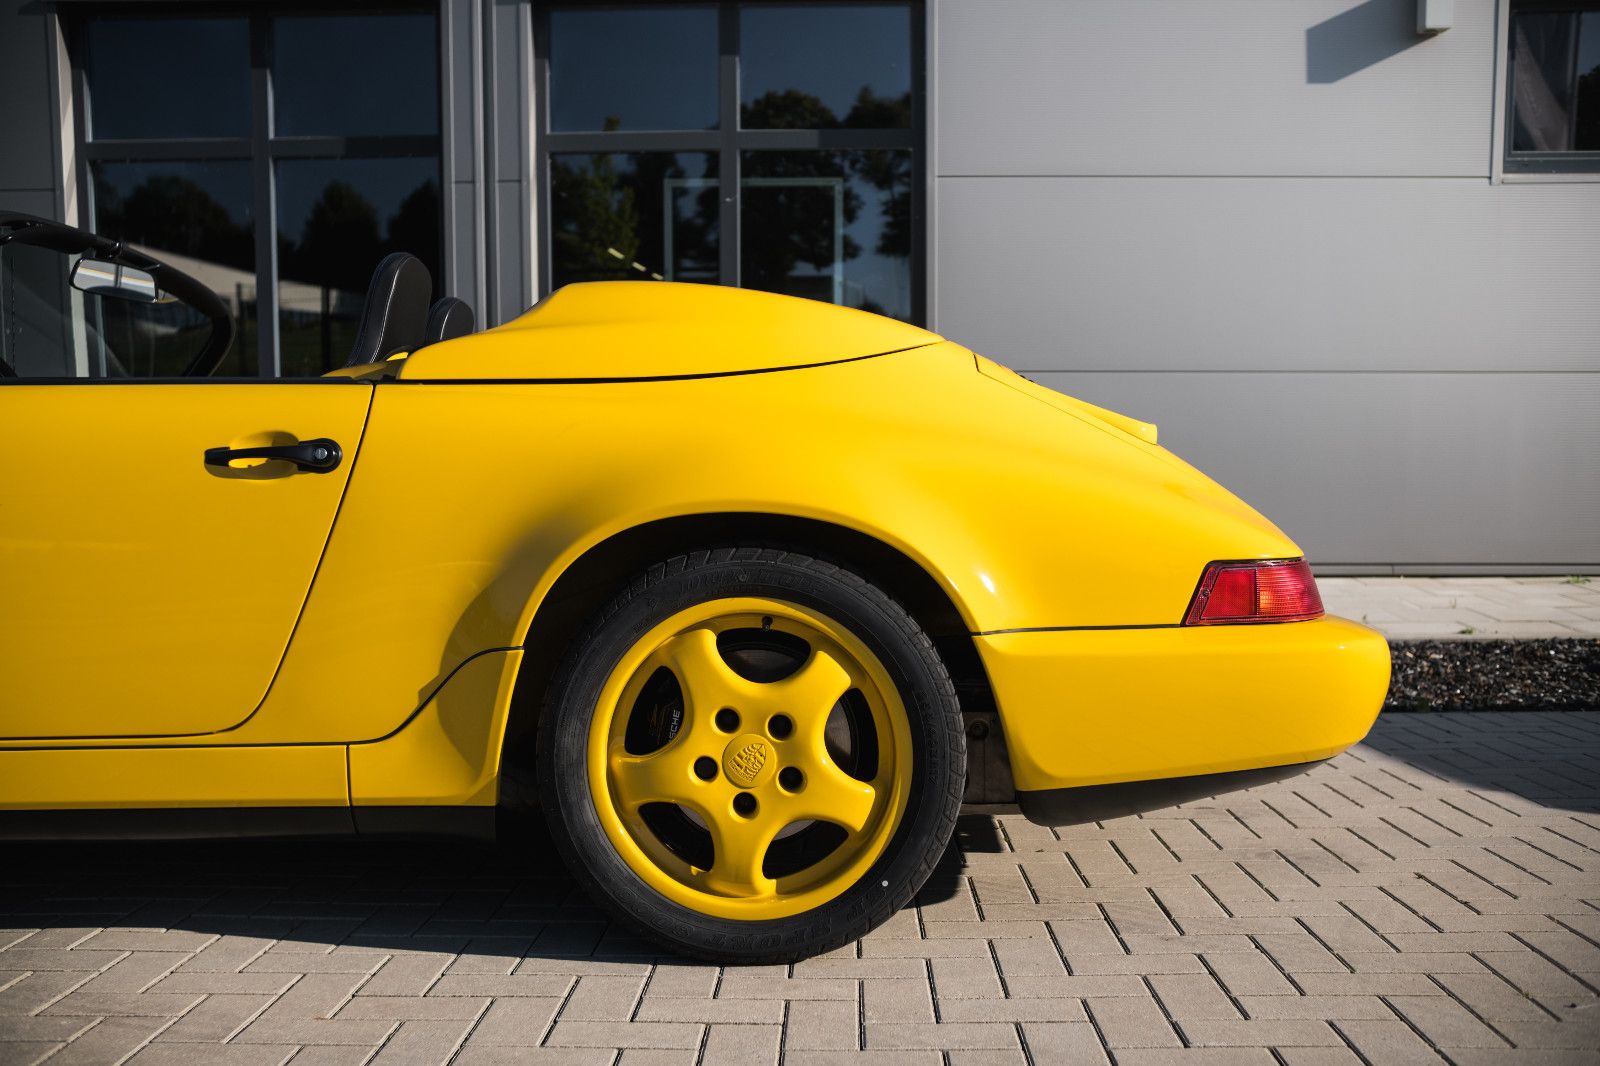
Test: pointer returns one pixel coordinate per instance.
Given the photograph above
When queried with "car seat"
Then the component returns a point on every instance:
(448, 319)
(395, 317)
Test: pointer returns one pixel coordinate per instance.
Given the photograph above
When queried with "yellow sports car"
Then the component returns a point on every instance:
(709, 576)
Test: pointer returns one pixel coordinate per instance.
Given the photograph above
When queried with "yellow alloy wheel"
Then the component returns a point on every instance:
(749, 758)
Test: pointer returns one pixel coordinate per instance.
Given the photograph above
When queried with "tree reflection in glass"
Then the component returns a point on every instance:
(831, 54)
(196, 217)
(336, 221)
(829, 225)
(642, 216)
(1555, 81)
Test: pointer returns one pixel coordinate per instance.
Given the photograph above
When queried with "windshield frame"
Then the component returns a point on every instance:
(17, 227)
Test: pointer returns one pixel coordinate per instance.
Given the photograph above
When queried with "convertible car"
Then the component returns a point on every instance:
(715, 579)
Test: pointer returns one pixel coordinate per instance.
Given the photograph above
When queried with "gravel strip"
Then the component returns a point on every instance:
(1495, 675)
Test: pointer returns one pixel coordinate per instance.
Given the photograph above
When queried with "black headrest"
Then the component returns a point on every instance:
(448, 319)
(396, 312)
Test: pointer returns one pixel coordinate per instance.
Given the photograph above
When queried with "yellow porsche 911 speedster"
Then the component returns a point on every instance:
(712, 578)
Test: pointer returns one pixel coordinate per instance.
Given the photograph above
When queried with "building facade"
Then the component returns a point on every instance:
(1345, 252)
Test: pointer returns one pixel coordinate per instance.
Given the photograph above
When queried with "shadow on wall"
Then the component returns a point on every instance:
(1356, 39)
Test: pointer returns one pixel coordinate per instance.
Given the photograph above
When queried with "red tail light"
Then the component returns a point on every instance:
(1277, 590)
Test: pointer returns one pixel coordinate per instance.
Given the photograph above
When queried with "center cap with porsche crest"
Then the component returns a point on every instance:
(747, 760)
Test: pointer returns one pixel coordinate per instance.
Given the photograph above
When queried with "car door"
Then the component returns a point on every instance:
(148, 588)
(144, 592)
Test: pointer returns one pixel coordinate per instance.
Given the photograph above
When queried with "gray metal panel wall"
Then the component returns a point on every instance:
(30, 161)
(487, 56)
(1440, 274)
(461, 82)
(1419, 470)
(1211, 87)
(509, 129)
(1271, 227)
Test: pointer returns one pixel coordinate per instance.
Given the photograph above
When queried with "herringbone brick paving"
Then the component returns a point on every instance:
(1430, 896)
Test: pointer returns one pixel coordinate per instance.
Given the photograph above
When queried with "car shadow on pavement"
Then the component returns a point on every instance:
(510, 899)
(1547, 758)
(515, 899)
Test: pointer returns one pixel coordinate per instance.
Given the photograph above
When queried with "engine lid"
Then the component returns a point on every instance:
(631, 330)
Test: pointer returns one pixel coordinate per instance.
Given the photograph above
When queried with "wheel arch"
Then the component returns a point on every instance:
(594, 577)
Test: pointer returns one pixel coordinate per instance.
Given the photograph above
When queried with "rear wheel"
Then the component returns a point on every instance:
(752, 755)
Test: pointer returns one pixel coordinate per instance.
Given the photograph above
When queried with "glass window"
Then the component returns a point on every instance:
(833, 226)
(355, 75)
(1586, 119)
(336, 220)
(355, 158)
(1555, 87)
(633, 68)
(634, 216)
(821, 172)
(37, 313)
(125, 339)
(168, 77)
(50, 329)
(817, 67)
(196, 217)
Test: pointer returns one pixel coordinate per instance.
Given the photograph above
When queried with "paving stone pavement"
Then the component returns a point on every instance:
(1430, 896)
(1468, 608)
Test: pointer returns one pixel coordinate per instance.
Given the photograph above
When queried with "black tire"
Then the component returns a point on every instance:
(938, 757)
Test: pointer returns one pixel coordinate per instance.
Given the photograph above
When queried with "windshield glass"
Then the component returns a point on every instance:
(48, 329)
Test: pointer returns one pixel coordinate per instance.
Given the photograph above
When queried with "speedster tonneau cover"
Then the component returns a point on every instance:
(649, 329)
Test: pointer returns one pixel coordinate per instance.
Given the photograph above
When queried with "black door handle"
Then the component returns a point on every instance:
(318, 456)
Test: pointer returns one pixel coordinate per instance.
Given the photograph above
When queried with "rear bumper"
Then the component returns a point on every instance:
(1097, 707)
(1095, 803)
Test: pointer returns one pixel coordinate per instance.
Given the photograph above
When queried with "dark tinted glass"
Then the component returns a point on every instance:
(349, 75)
(633, 68)
(821, 66)
(196, 217)
(1542, 81)
(336, 220)
(831, 226)
(36, 313)
(168, 77)
(639, 216)
(47, 329)
(1586, 130)
(1555, 81)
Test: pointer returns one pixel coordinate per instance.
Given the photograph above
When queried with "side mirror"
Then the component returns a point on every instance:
(101, 278)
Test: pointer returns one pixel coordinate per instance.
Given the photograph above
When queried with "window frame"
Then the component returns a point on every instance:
(1515, 163)
(728, 140)
(262, 149)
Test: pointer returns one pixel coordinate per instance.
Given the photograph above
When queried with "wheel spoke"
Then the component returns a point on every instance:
(708, 682)
(831, 795)
(740, 847)
(665, 776)
(808, 694)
